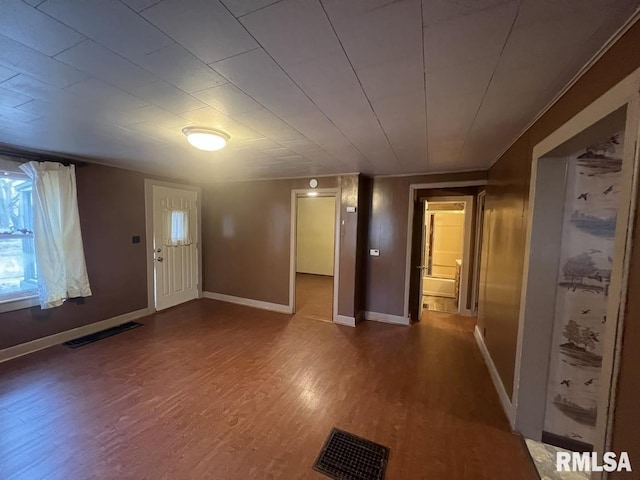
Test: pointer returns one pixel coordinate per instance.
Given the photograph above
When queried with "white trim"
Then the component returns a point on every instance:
(431, 174)
(149, 183)
(327, 192)
(624, 93)
(344, 320)
(599, 54)
(58, 338)
(467, 236)
(309, 177)
(386, 318)
(248, 302)
(505, 401)
(19, 304)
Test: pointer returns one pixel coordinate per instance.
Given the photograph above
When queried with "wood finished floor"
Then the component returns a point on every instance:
(211, 390)
(314, 297)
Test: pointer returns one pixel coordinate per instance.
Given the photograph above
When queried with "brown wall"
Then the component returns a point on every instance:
(388, 233)
(505, 230)
(246, 239)
(111, 205)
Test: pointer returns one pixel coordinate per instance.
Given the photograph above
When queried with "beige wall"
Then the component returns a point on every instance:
(315, 235)
(246, 239)
(448, 243)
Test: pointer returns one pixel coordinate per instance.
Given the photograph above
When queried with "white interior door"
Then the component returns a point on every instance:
(175, 246)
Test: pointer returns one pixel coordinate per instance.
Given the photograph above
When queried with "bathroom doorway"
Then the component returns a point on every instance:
(315, 255)
(443, 240)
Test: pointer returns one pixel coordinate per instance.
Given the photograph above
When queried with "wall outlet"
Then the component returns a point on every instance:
(374, 252)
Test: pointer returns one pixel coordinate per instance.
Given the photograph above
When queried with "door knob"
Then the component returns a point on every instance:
(159, 259)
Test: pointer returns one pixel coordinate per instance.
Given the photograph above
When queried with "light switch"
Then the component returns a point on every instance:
(351, 209)
(374, 252)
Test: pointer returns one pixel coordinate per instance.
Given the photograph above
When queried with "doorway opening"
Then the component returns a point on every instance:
(442, 255)
(315, 217)
(173, 239)
(580, 232)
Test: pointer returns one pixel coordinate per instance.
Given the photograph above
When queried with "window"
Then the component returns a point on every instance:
(178, 228)
(18, 273)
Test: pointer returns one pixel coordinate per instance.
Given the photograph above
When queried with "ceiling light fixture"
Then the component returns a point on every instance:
(208, 139)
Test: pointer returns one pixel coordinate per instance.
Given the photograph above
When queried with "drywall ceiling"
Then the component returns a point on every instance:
(304, 87)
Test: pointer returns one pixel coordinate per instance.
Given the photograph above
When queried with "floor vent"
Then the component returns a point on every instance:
(94, 337)
(345, 456)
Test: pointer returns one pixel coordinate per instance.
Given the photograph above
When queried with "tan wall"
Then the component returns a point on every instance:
(246, 239)
(111, 205)
(505, 230)
(315, 235)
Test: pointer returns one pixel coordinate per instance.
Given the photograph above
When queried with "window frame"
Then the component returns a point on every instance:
(11, 167)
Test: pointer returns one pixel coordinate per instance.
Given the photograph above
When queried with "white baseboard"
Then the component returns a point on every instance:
(274, 307)
(58, 338)
(495, 377)
(344, 320)
(386, 318)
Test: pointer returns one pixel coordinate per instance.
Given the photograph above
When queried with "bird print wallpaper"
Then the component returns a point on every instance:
(584, 276)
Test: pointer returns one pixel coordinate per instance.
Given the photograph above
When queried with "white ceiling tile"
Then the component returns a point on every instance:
(460, 79)
(266, 123)
(139, 5)
(100, 93)
(10, 98)
(6, 73)
(165, 95)
(436, 11)
(203, 27)
(17, 115)
(34, 29)
(325, 74)
(554, 40)
(243, 7)
(22, 59)
(383, 79)
(181, 68)
(379, 35)
(254, 72)
(110, 23)
(308, 33)
(101, 63)
(228, 99)
(480, 35)
(31, 87)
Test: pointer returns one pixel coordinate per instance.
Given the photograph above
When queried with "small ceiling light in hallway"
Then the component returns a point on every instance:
(204, 138)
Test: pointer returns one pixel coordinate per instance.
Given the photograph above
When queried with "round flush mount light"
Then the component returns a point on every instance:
(208, 139)
(313, 183)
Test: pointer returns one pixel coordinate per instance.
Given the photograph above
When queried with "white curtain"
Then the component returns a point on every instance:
(62, 272)
(177, 228)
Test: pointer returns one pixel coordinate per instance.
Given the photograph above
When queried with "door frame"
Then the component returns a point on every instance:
(149, 183)
(413, 188)
(528, 416)
(327, 192)
(466, 247)
(477, 260)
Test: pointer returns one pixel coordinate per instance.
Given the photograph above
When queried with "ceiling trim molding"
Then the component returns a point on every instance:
(599, 54)
(424, 174)
(327, 175)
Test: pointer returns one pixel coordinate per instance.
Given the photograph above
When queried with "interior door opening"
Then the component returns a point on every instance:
(443, 256)
(314, 256)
